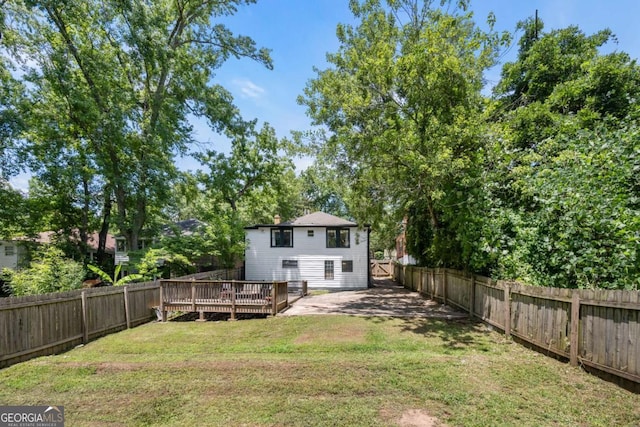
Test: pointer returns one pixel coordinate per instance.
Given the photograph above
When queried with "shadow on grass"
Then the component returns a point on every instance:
(455, 334)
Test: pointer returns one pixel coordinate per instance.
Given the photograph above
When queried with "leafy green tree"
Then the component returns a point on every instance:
(158, 261)
(322, 190)
(559, 187)
(14, 212)
(251, 184)
(50, 271)
(402, 106)
(254, 167)
(113, 85)
(575, 78)
(11, 120)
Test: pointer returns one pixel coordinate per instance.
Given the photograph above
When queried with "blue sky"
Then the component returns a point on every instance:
(301, 32)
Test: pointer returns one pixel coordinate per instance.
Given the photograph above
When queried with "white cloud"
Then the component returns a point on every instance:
(302, 163)
(248, 89)
(20, 182)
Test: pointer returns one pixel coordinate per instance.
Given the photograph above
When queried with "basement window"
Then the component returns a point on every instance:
(289, 263)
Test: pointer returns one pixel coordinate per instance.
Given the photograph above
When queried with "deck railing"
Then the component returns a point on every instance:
(222, 296)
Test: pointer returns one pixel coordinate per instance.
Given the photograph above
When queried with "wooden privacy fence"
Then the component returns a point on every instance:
(595, 328)
(39, 325)
(223, 296)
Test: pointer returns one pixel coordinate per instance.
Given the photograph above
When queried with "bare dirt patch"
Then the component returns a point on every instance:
(410, 418)
(418, 418)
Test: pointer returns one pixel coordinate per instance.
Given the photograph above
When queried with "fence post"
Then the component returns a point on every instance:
(127, 314)
(432, 287)
(234, 289)
(305, 288)
(286, 298)
(274, 302)
(162, 310)
(193, 296)
(85, 319)
(444, 286)
(472, 296)
(507, 309)
(575, 323)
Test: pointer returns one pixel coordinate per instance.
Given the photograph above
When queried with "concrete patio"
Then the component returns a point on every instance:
(386, 298)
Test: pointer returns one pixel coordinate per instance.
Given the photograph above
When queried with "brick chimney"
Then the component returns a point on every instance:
(276, 219)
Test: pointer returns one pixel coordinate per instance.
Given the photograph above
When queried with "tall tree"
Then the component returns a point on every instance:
(563, 211)
(12, 214)
(322, 190)
(254, 166)
(122, 79)
(250, 185)
(402, 105)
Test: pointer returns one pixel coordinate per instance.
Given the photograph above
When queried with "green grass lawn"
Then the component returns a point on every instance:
(314, 371)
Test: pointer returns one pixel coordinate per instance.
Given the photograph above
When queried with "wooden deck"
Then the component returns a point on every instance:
(223, 296)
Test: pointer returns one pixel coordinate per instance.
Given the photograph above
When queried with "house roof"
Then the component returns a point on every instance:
(315, 219)
(186, 227)
(322, 219)
(47, 237)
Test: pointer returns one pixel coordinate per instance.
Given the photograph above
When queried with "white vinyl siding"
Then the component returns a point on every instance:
(10, 253)
(263, 262)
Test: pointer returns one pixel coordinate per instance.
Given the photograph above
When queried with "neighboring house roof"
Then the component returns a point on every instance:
(186, 227)
(92, 241)
(316, 219)
(46, 237)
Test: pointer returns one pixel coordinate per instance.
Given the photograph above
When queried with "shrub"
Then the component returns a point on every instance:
(49, 271)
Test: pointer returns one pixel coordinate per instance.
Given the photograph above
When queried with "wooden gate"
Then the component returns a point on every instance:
(382, 268)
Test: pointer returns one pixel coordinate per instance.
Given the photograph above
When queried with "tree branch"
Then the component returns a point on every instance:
(60, 24)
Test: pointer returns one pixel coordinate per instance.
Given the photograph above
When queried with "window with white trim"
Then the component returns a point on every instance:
(328, 270)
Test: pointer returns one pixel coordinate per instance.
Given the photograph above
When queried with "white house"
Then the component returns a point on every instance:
(326, 251)
(13, 254)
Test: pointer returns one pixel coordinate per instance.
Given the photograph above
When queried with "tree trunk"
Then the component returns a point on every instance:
(433, 216)
(84, 226)
(104, 229)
